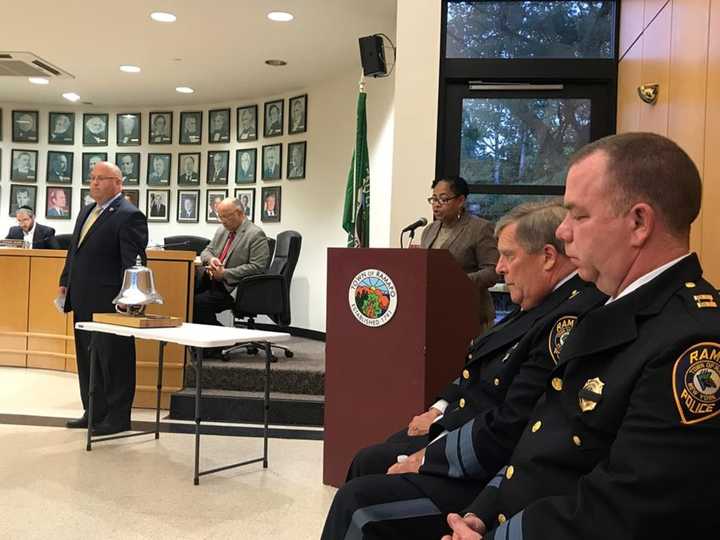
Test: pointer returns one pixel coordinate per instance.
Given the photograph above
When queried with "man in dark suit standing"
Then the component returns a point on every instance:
(107, 239)
(33, 233)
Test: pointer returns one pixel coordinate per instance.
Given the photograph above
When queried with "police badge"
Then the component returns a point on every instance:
(590, 394)
(559, 333)
(696, 382)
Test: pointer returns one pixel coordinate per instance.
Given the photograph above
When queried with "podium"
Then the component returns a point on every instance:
(378, 377)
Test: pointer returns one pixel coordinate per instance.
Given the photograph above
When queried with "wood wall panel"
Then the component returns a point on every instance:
(15, 275)
(688, 86)
(711, 185)
(629, 78)
(631, 23)
(656, 69)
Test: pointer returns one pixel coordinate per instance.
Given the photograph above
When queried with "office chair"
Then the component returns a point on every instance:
(186, 242)
(268, 293)
(63, 241)
(271, 248)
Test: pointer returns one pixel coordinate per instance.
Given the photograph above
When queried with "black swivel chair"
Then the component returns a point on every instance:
(268, 293)
(62, 241)
(186, 242)
(271, 248)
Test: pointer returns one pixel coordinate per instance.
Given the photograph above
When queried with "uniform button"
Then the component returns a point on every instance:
(496, 382)
(466, 374)
(469, 357)
(501, 519)
(577, 440)
(689, 284)
(557, 383)
(462, 402)
(509, 472)
(536, 426)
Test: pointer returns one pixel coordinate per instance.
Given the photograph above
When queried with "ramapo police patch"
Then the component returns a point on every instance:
(696, 382)
(559, 334)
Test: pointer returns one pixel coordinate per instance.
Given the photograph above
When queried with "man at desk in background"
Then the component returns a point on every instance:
(32, 233)
(108, 237)
(238, 249)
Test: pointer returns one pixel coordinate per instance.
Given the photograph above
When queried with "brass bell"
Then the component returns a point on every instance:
(138, 290)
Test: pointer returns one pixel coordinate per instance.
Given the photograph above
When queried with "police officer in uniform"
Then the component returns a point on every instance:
(629, 435)
(489, 405)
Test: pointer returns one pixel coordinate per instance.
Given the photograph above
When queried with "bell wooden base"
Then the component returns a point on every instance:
(143, 321)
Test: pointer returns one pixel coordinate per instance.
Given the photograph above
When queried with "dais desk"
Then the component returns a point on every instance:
(34, 334)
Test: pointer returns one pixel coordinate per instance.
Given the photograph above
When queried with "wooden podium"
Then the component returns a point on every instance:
(378, 378)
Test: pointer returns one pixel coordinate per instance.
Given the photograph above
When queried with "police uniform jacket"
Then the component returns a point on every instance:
(625, 441)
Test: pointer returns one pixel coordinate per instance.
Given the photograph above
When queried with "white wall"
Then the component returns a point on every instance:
(312, 206)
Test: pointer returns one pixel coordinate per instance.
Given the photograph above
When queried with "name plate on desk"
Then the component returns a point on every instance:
(144, 321)
(11, 243)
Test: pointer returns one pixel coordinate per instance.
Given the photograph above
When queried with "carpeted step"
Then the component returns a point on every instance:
(247, 407)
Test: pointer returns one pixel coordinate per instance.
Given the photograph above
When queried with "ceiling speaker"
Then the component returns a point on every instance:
(372, 56)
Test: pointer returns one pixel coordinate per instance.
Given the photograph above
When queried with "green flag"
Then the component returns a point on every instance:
(356, 214)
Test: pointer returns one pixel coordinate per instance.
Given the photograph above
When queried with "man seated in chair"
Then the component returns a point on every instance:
(238, 249)
(31, 232)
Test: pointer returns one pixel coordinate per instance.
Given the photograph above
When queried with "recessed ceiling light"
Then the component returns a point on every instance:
(280, 16)
(39, 80)
(130, 69)
(161, 16)
(71, 96)
(184, 90)
(275, 62)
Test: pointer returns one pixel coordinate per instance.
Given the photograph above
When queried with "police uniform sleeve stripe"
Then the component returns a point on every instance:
(497, 480)
(413, 508)
(452, 456)
(510, 530)
(470, 461)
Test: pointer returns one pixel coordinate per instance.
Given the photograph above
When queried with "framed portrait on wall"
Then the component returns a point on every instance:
(158, 169)
(160, 126)
(128, 129)
(129, 163)
(61, 128)
(217, 167)
(58, 202)
(189, 169)
(271, 204)
(95, 129)
(247, 123)
(85, 197)
(296, 160)
(247, 199)
(132, 196)
(23, 165)
(22, 196)
(219, 126)
(273, 118)
(191, 127)
(245, 165)
(188, 205)
(298, 114)
(214, 198)
(25, 126)
(89, 160)
(272, 162)
(59, 167)
(158, 205)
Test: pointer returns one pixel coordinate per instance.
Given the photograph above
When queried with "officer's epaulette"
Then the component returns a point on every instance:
(700, 295)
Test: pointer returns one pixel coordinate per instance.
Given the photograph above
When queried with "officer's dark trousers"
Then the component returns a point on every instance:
(376, 459)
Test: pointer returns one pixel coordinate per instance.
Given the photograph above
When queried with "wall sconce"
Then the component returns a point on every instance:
(649, 93)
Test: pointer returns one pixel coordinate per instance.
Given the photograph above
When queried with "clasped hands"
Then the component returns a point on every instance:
(216, 269)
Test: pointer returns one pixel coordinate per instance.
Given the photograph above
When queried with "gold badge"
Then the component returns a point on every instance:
(696, 382)
(558, 335)
(590, 394)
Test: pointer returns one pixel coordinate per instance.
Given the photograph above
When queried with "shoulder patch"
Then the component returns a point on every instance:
(696, 382)
(559, 333)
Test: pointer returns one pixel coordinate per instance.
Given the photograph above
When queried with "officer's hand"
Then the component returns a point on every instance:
(468, 528)
(410, 465)
(420, 424)
(62, 291)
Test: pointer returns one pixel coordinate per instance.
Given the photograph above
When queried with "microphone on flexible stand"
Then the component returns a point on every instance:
(176, 244)
(411, 229)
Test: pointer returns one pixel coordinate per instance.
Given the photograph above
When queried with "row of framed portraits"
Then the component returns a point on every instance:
(60, 165)
(128, 126)
(158, 203)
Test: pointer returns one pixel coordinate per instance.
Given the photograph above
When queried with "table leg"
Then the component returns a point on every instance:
(161, 355)
(266, 402)
(197, 365)
(91, 395)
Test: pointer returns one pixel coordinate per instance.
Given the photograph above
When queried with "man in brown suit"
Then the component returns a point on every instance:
(469, 239)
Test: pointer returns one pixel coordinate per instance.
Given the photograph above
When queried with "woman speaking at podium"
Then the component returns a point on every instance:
(469, 239)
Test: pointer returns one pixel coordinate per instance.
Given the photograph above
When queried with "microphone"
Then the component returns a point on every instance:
(176, 244)
(415, 224)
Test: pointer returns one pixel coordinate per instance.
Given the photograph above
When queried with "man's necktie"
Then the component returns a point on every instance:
(89, 222)
(225, 250)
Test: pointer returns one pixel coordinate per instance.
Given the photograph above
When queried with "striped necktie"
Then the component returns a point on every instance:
(89, 222)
